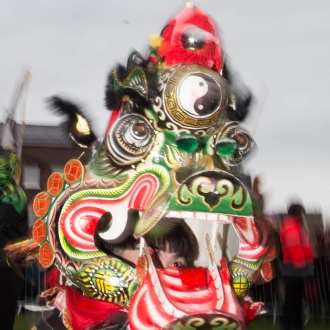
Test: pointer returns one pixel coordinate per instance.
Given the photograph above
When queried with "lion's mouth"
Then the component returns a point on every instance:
(165, 293)
(217, 195)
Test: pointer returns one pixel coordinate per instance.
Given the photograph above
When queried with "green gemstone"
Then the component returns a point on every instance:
(187, 144)
(226, 147)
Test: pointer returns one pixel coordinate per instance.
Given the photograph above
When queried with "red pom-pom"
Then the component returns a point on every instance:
(153, 59)
(174, 51)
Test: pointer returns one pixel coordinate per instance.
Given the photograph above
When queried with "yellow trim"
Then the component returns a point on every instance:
(67, 318)
(155, 40)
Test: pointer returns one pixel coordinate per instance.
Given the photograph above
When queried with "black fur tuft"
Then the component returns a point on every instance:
(242, 107)
(77, 126)
(242, 94)
(111, 96)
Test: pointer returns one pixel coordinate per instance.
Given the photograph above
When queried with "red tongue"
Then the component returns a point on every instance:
(193, 279)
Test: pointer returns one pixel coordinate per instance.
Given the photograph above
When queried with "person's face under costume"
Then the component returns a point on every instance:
(169, 259)
(162, 259)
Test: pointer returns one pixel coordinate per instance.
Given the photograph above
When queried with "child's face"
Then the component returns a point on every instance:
(169, 259)
(161, 259)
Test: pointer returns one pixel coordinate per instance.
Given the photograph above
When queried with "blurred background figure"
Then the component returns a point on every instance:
(297, 264)
(13, 225)
(320, 291)
(262, 290)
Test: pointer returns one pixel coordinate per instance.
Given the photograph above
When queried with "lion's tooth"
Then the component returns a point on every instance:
(211, 216)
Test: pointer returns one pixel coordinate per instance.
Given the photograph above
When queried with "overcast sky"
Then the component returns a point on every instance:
(280, 49)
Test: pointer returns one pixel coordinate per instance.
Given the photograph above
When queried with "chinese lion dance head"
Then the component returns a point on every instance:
(173, 149)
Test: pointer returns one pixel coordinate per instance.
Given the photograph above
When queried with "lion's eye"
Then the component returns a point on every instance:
(130, 139)
(244, 143)
(137, 135)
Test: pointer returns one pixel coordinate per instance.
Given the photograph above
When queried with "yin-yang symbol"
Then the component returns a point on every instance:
(199, 95)
(194, 96)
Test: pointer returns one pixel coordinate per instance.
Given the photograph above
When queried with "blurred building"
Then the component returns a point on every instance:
(44, 150)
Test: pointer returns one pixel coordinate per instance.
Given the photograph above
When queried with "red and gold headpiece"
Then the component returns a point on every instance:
(191, 38)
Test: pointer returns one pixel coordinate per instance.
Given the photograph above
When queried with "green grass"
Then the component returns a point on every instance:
(266, 322)
(25, 321)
